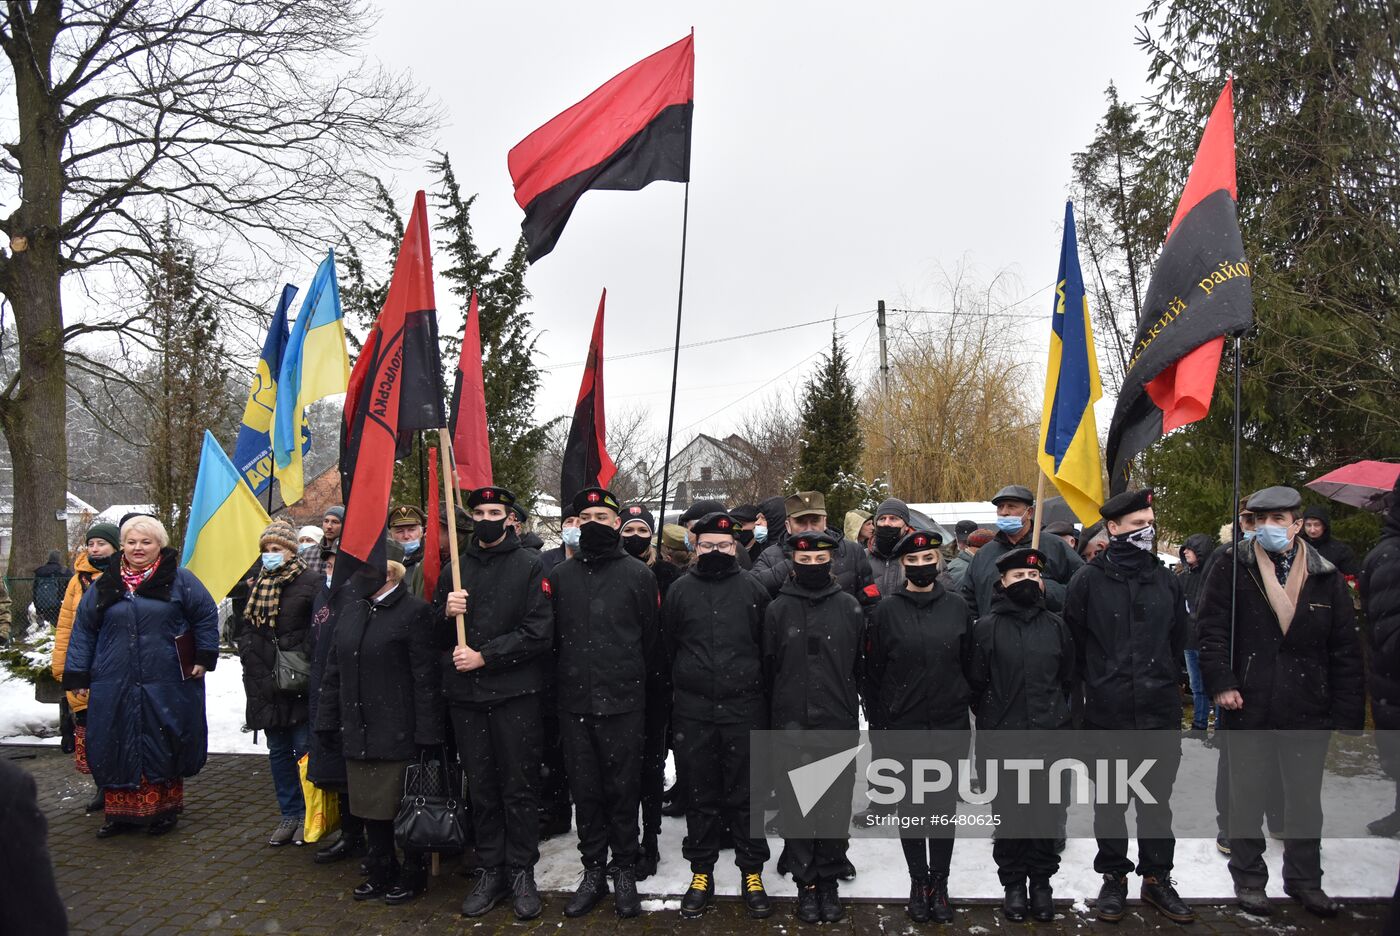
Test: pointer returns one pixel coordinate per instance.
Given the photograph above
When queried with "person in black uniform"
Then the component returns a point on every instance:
(1021, 673)
(811, 646)
(493, 684)
(556, 809)
(850, 563)
(916, 652)
(712, 633)
(605, 608)
(1130, 623)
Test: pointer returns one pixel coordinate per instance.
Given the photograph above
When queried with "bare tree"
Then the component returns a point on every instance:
(772, 432)
(245, 119)
(633, 447)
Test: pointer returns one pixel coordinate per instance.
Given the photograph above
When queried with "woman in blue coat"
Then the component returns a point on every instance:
(146, 729)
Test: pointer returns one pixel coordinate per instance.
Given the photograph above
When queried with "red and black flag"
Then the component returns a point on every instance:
(395, 389)
(586, 461)
(466, 421)
(631, 132)
(1199, 293)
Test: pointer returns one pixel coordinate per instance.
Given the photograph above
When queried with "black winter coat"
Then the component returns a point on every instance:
(1309, 679)
(325, 765)
(1193, 580)
(1022, 667)
(268, 706)
(712, 635)
(1130, 630)
(1380, 600)
(30, 904)
(916, 653)
(850, 565)
(605, 621)
(381, 690)
(1331, 548)
(509, 622)
(551, 558)
(811, 652)
(979, 582)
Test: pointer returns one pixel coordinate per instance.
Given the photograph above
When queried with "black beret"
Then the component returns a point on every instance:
(490, 495)
(464, 519)
(820, 541)
(1014, 492)
(1126, 503)
(1275, 498)
(745, 513)
(1023, 558)
(700, 509)
(918, 541)
(638, 512)
(519, 513)
(595, 497)
(717, 522)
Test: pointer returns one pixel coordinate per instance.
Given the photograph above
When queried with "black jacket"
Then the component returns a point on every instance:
(1380, 600)
(1193, 580)
(531, 541)
(30, 904)
(850, 565)
(979, 582)
(1310, 679)
(325, 765)
(551, 558)
(381, 689)
(811, 653)
(1130, 630)
(605, 619)
(509, 622)
(916, 653)
(1022, 667)
(268, 706)
(1331, 548)
(712, 634)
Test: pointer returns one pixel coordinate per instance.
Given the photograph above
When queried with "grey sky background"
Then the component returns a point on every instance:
(841, 154)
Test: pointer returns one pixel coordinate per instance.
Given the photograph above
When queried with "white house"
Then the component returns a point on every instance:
(706, 468)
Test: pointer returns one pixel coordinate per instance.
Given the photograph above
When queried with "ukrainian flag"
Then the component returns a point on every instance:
(226, 522)
(1069, 439)
(315, 365)
(252, 454)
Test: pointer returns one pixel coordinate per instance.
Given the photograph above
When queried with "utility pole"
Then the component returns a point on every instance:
(885, 393)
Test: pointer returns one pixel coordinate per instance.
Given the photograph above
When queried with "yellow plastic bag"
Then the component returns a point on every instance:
(322, 807)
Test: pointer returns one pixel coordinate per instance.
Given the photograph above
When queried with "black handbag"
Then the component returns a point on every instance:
(291, 669)
(432, 814)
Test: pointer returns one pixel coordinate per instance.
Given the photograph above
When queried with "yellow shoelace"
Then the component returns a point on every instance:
(753, 882)
(699, 882)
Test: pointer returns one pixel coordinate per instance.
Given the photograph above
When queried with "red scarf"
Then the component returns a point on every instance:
(132, 578)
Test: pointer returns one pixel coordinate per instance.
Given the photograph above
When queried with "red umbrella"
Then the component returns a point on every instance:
(1364, 484)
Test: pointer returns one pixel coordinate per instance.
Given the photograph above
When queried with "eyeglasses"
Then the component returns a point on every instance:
(711, 547)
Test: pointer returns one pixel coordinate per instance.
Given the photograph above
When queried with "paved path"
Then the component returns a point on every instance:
(215, 875)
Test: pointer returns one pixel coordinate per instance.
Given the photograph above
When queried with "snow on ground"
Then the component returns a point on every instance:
(1354, 867)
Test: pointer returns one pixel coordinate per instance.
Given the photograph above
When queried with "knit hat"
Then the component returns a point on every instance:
(281, 533)
(639, 512)
(337, 511)
(980, 537)
(893, 506)
(104, 531)
(311, 532)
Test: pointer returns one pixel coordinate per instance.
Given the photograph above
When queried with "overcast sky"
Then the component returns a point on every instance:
(841, 154)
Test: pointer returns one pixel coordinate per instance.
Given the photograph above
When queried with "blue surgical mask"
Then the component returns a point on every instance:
(1246, 535)
(1273, 538)
(689, 543)
(1009, 524)
(571, 535)
(411, 546)
(273, 560)
(760, 533)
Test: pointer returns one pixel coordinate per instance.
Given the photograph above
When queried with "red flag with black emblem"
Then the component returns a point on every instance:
(1199, 293)
(586, 461)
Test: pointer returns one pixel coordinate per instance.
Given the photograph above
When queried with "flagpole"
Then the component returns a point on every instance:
(1038, 519)
(1235, 506)
(451, 511)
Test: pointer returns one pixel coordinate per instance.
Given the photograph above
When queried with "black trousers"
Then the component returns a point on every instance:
(1020, 859)
(925, 856)
(500, 748)
(1156, 844)
(1295, 760)
(554, 777)
(1272, 795)
(714, 760)
(604, 754)
(351, 826)
(658, 723)
(384, 866)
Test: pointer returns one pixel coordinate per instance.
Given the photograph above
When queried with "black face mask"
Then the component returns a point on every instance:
(598, 538)
(99, 564)
(812, 577)
(714, 563)
(745, 537)
(921, 575)
(636, 544)
(488, 531)
(886, 538)
(1025, 592)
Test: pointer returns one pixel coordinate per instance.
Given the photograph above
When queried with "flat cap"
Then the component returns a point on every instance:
(595, 497)
(490, 495)
(918, 541)
(699, 509)
(813, 542)
(745, 513)
(717, 522)
(1014, 492)
(964, 528)
(639, 512)
(1023, 558)
(1275, 498)
(406, 515)
(805, 504)
(1126, 503)
(1061, 528)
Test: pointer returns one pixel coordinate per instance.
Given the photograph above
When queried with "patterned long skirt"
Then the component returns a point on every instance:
(80, 748)
(147, 804)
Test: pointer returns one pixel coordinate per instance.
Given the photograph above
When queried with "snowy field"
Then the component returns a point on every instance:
(1354, 867)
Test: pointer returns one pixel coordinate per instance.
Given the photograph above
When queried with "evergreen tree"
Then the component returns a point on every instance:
(830, 447)
(362, 293)
(190, 378)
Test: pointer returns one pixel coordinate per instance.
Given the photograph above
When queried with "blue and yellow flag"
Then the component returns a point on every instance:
(226, 522)
(252, 455)
(314, 366)
(1069, 438)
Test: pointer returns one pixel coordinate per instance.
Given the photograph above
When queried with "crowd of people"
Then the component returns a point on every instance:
(560, 678)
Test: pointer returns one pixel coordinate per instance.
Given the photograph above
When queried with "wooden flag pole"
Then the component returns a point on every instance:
(448, 477)
(1037, 519)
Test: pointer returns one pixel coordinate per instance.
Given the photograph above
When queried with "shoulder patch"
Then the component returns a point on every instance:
(872, 590)
(544, 586)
